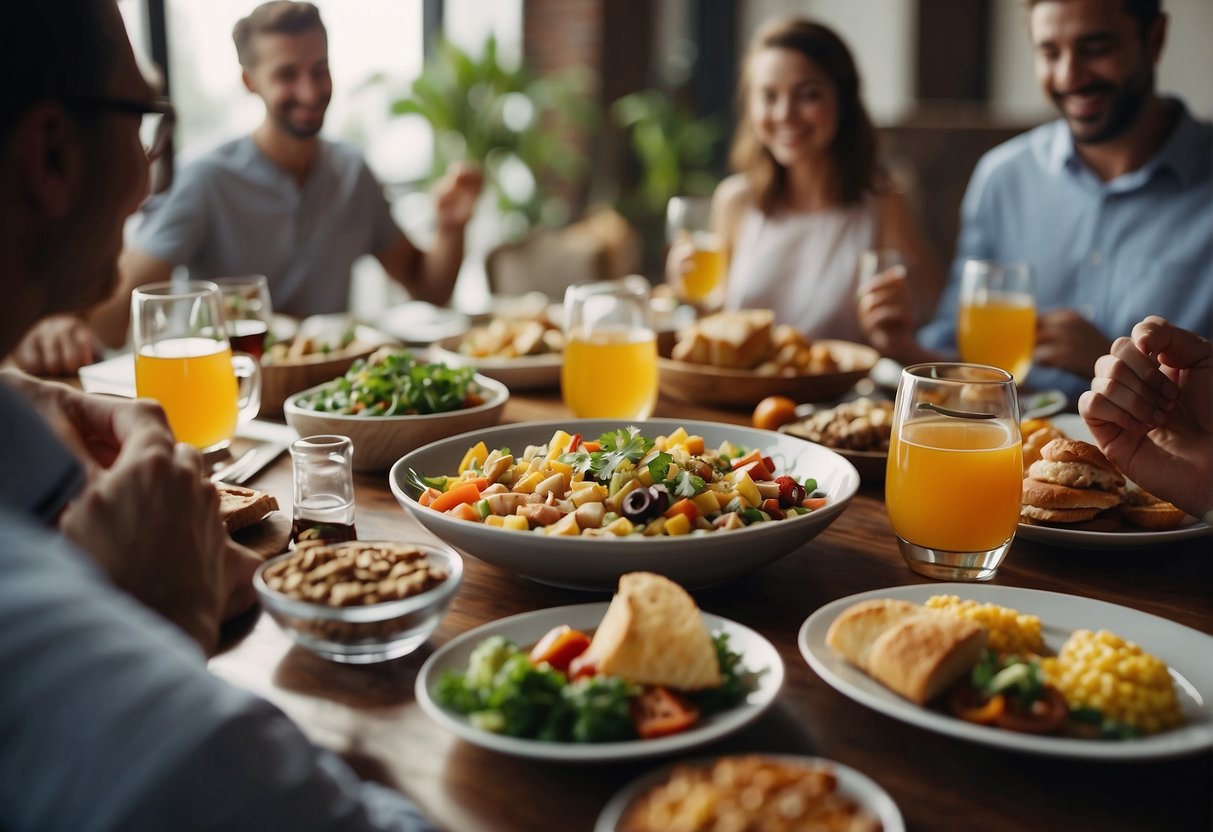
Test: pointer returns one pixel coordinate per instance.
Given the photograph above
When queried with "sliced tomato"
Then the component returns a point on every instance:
(1046, 715)
(659, 711)
(583, 665)
(559, 647)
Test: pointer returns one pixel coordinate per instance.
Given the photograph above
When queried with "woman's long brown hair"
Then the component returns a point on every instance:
(854, 148)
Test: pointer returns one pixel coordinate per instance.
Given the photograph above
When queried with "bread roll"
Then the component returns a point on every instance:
(1075, 450)
(914, 651)
(1144, 510)
(1053, 496)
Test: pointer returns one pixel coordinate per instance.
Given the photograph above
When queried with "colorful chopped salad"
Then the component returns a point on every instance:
(617, 485)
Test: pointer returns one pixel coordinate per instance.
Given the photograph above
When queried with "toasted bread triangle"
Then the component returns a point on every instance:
(652, 634)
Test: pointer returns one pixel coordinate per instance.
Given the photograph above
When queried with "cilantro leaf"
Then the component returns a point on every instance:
(618, 446)
(687, 484)
(580, 460)
(659, 466)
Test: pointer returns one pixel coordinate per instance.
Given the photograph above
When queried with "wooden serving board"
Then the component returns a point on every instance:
(269, 537)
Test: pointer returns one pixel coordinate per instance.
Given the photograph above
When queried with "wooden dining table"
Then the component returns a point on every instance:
(370, 715)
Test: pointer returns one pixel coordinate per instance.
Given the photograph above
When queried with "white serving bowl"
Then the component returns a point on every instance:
(694, 560)
(380, 440)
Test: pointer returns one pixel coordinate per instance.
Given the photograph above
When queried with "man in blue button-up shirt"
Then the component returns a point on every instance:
(1111, 206)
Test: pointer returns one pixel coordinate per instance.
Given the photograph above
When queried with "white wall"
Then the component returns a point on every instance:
(881, 36)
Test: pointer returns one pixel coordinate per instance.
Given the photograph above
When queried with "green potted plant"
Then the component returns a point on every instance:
(515, 125)
(675, 150)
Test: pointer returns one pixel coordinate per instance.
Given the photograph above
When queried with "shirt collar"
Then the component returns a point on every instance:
(1186, 153)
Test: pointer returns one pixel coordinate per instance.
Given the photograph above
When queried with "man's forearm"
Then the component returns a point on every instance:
(440, 266)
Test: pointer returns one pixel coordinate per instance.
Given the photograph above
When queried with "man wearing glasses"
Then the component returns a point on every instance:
(280, 202)
(116, 566)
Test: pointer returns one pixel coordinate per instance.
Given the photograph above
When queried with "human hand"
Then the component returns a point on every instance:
(455, 196)
(1068, 341)
(93, 426)
(679, 260)
(886, 316)
(57, 346)
(239, 564)
(151, 523)
(1150, 410)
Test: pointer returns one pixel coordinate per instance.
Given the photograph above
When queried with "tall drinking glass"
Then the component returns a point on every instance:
(955, 471)
(247, 312)
(610, 353)
(184, 361)
(690, 218)
(997, 318)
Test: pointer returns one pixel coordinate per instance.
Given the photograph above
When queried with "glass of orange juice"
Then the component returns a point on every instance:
(610, 352)
(689, 218)
(953, 486)
(184, 361)
(996, 323)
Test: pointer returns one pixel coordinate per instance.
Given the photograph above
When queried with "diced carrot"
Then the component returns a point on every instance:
(758, 471)
(464, 492)
(752, 456)
(591, 445)
(684, 506)
(465, 511)
(815, 502)
(428, 496)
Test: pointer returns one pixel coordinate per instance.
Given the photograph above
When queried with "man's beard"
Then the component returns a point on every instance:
(1127, 103)
(299, 132)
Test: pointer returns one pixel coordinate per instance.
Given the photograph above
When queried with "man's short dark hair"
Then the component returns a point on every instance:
(278, 17)
(49, 50)
(1145, 12)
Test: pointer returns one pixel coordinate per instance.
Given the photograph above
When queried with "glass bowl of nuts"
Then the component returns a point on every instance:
(360, 601)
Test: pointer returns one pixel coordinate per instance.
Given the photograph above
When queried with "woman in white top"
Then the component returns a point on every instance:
(809, 196)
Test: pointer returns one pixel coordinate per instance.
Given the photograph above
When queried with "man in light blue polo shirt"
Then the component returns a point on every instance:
(1111, 206)
(280, 202)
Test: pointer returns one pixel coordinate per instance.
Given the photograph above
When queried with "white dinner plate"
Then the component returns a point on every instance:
(526, 372)
(418, 322)
(759, 658)
(1184, 650)
(1073, 426)
(853, 784)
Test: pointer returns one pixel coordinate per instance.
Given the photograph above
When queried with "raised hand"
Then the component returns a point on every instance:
(1150, 409)
(455, 196)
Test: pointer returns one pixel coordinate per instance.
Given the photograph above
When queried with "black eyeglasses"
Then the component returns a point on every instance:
(158, 118)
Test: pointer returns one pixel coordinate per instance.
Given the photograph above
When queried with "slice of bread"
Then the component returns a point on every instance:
(241, 507)
(737, 340)
(1144, 510)
(910, 649)
(652, 634)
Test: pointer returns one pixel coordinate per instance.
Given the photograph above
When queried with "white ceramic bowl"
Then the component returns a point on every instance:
(367, 633)
(380, 440)
(695, 560)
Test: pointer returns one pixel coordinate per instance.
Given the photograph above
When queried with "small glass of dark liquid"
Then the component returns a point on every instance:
(247, 312)
(324, 489)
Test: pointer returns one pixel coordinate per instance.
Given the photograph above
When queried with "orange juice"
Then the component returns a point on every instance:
(1000, 332)
(194, 382)
(611, 374)
(707, 268)
(955, 485)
